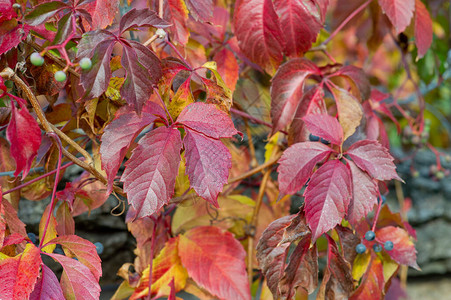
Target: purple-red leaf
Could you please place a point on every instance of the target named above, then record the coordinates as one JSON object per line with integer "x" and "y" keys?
{"x": 207, "y": 119}
{"x": 358, "y": 78}
{"x": 325, "y": 126}
{"x": 43, "y": 11}
{"x": 90, "y": 40}
{"x": 77, "y": 281}
{"x": 207, "y": 164}
{"x": 216, "y": 261}
{"x": 300, "y": 22}
{"x": 24, "y": 135}
{"x": 141, "y": 17}
{"x": 95, "y": 81}
{"x": 47, "y": 286}
{"x": 119, "y": 135}
{"x": 287, "y": 89}
{"x": 19, "y": 274}
{"x": 83, "y": 250}
{"x": 257, "y": 29}
{"x": 364, "y": 194}
{"x": 423, "y": 28}
{"x": 301, "y": 270}
{"x": 373, "y": 158}
{"x": 297, "y": 163}
{"x": 201, "y": 10}
{"x": 149, "y": 176}
{"x": 327, "y": 197}
{"x": 176, "y": 13}
{"x": 271, "y": 254}
{"x": 11, "y": 38}
{"x": 399, "y": 12}
{"x": 143, "y": 70}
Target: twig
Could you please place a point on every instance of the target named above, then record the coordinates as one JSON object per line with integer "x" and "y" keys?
{"x": 346, "y": 21}
{"x": 256, "y": 170}
{"x": 401, "y": 199}
{"x": 150, "y": 40}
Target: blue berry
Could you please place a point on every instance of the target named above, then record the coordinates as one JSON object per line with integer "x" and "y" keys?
{"x": 99, "y": 247}
{"x": 313, "y": 138}
{"x": 360, "y": 248}
{"x": 377, "y": 248}
{"x": 370, "y": 235}
{"x": 384, "y": 199}
{"x": 33, "y": 238}
{"x": 388, "y": 245}
{"x": 58, "y": 250}
{"x": 75, "y": 258}
{"x": 85, "y": 63}
{"x": 324, "y": 141}
{"x": 36, "y": 59}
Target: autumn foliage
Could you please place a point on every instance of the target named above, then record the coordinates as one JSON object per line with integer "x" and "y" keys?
{"x": 160, "y": 102}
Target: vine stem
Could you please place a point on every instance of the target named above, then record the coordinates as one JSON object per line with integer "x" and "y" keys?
{"x": 152, "y": 250}
{"x": 376, "y": 216}
{"x": 179, "y": 54}
{"x": 346, "y": 21}
{"x": 37, "y": 179}
{"x": 55, "y": 185}
{"x": 254, "y": 220}
{"x": 401, "y": 199}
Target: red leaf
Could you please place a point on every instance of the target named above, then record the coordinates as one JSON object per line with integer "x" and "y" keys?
{"x": 19, "y": 273}
{"x": 216, "y": 261}
{"x": 301, "y": 270}
{"x": 201, "y": 10}
{"x": 149, "y": 176}
{"x": 364, "y": 194}
{"x": 103, "y": 12}
{"x": 399, "y": 12}
{"x": 271, "y": 253}
{"x": 297, "y": 163}
{"x": 77, "y": 281}
{"x": 257, "y": 29}
{"x": 227, "y": 67}
{"x": 207, "y": 119}
{"x": 119, "y": 135}
{"x": 207, "y": 164}
{"x": 141, "y": 18}
{"x": 403, "y": 248}
{"x": 13, "y": 37}
{"x": 287, "y": 89}
{"x": 6, "y": 10}
{"x": 300, "y": 22}
{"x": 15, "y": 225}
{"x": 24, "y": 135}
{"x": 47, "y": 286}
{"x": 327, "y": 197}
{"x": 423, "y": 28}
{"x": 83, "y": 250}
{"x": 325, "y": 126}
{"x": 175, "y": 12}
{"x": 65, "y": 221}
{"x": 373, "y": 158}
{"x": 373, "y": 282}
{"x": 143, "y": 70}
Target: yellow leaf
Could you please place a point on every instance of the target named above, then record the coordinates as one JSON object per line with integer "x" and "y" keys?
{"x": 124, "y": 291}
{"x": 360, "y": 266}
{"x": 389, "y": 265}
{"x": 350, "y": 111}
{"x": 270, "y": 146}
{"x": 182, "y": 98}
{"x": 51, "y": 230}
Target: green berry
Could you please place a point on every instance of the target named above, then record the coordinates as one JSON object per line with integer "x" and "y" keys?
{"x": 440, "y": 175}
{"x": 85, "y": 63}
{"x": 370, "y": 235}
{"x": 360, "y": 248}
{"x": 388, "y": 245}
{"x": 60, "y": 76}
{"x": 377, "y": 248}
{"x": 36, "y": 59}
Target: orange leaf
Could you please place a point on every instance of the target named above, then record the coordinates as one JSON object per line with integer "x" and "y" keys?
{"x": 227, "y": 67}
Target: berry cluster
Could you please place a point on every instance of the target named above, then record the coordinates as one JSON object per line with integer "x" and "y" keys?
{"x": 60, "y": 76}
{"x": 370, "y": 236}
{"x": 314, "y": 138}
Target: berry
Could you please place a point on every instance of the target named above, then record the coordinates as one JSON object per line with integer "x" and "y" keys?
{"x": 313, "y": 138}
{"x": 388, "y": 245}
{"x": 85, "y": 63}
{"x": 370, "y": 235}
{"x": 60, "y": 76}
{"x": 440, "y": 175}
{"x": 58, "y": 250}
{"x": 33, "y": 238}
{"x": 360, "y": 248}
{"x": 325, "y": 142}
{"x": 36, "y": 59}
{"x": 384, "y": 199}
{"x": 377, "y": 248}
{"x": 99, "y": 247}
